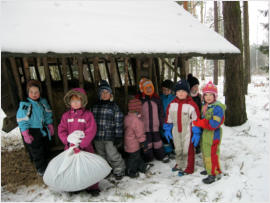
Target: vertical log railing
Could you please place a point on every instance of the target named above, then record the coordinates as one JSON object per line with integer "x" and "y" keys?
{"x": 162, "y": 70}
{"x": 150, "y": 66}
{"x": 89, "y": 70}
{"x": 96, "y": 71}
{"x": 112, "y": 71}
{"x": 80, "y": 70}
{"x": 26, "y": 69}
{"x": 65, "y": 78}
{"x": 16, "y": 77}
{"x": 138, "y": 71}
{"x": 175, "y": 69}
{"x": 118, "y": 73}
{"x": 107, "y": 71}
{"x": 126, "y": 82}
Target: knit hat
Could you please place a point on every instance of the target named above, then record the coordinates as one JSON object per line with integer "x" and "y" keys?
{"x": 144, "y": 83}
{"x": 80, "y": 92}
{"x": 168, "y": 84}
{"x": 103, "y": 85}
{"x": 182, "y": 85}
{"x": 34, "y": 83}
{"x": 192, "y": 80}
{"x": 210, "y": 88}
{"x": 135, "y": 105}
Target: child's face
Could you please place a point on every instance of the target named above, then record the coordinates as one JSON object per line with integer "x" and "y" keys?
{"x": 105, "y": 95}
{"x": 166, "y": 91}
{"x": 181, "y": 94}
{"x": 209, "y": 98}
{"x": 194, "y": 89}
{"x": 75, "y": 103}
{"x": 149, "y": 90}
{"x": 34, "y": 93}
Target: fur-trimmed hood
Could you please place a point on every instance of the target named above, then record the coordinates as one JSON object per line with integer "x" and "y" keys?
{"x": 78, "y": 92}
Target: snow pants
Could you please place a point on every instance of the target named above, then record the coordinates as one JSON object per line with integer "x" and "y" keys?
{"x": 135, "y": 163}
{"x": 38, "y": 149}
{"x": 184, "y": 149}
{"x": 210, "y": 151}
{"x": 155, "y": 147}
{"x": 109, "y": 152}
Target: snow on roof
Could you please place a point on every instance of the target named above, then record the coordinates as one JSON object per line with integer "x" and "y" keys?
{"x": 69, "y": 26}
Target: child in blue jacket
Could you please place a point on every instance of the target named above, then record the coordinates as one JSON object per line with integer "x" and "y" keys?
{"x": 34, "y": 118}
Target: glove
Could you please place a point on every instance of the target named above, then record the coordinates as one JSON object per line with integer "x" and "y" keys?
{"x": 118, "y": 142}
{"x": 50, "y": 127}
{"x": 203, "y": 123}
{"x": 27, "y": 137}
{"x": 144, "y": 146}
{"x": 76, "y": 150}
{"x": 168, "y": 131}
{"x": 195, "y": 139}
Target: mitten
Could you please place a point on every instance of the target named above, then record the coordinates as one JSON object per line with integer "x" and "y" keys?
{"x": 168, "y": 131}
{"x": 195, "y": 139}
{"x": 27, "y": 137}
{"x": 50, "y": 127}
{"x": 203, "y": 123}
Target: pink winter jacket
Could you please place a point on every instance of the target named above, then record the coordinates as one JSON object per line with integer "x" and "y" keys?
{"x": 80, "y": 119}
{"x": 134, "y": 132}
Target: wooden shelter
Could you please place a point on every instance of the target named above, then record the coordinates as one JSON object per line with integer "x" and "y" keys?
{"x": 80, "y": 42}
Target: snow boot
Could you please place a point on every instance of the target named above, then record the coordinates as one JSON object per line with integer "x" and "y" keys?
{"x": 210, "y": 179}
{"x": 182, "y": 173}
{"x": 166, "y": 159}
{"x": 94, "y": 192}
{"x": 203, "y": 173}
{"x": 175, "y": 168}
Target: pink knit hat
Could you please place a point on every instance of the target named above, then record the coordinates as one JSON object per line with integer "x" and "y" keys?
{"x": 135, "y": 105}
{"x": 210, "y": 88}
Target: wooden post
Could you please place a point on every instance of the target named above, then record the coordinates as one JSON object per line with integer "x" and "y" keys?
{"x": 107, "y": 71}
{"x": 118, "y": 73}
{"x": 80, "y": 69}
{"x": 170, "y": 66}
{"x": 138, "y": 71}
{"x": 59, "y": 68}
{"x": 162, "y": 70}
{"x": 16, "y": 77}
{"x": 183, "y": 63}
{"x": 112, "y": 71}
{"x": 150, "y": 62}
{"x": 89, "y": 70}
{"x": 96, "y": 71}
{"x": 26, "y": 69}
{"x": 36, "y": 65}
{"x": 155, "y": 77}
{"x": 48, "y": 80}
{"x": 126, "y": 83}
{"x": 175, "y": 69}
{"x": 65, "y": 78}
{"x": 70, "y": 68}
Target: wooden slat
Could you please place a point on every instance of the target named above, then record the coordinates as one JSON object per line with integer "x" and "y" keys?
{"x": 70, "y": 68}
{"x": 150, "y": 62}
{"x": 126, "y": 83}
{"x": 80, "y": 69}
{"x": 162, "y": 70}
{"x": 16, "y": 77}
{"x": 170, "y": 66}
{"x": 26, "y": 69}
{"x": 175, "y": 69}
{"x": 65, "y": 78}
{"x": 108, "y": 71}
{"x": 138, "y": 71}
{"x": 48, "y": 80}
{"x": 59, "y": 69}
{"x": 155, "y": 78}
{"x": 96, "y": 71}
{"x": 118, "y": 73}
{"x": 113, "y": 72}
{"x": 36, "y": 65}
{"x": 89, "y": 70}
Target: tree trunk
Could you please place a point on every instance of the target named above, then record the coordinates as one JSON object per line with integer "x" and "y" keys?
{"x": 216, "y": 29}
{"x": 246, "y": 47}
{"x": 202, "y": 59}
{"x": 235, "y": 113}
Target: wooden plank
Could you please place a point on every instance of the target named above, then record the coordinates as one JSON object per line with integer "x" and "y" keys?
{"x": 16, "y": 77}
{"x": 126, "y": 83}
{"x": 65, "y": 78}
{"x": 96, "y": 71}
{"x": 155, "y": 78}
{"x": 113, "y": 72}
{"x": 169, "y": 65}
{"x": 70, "y": 68}
{"x": 175, "y": 69}
{"x": 107, "y": 71}
{"x": 59, "y": 69}
{"x": 48, "y": 80}
{"x": 138, "y": 71}
{"x": 150, "y": 62}
{"x": 162, "y": 70}
{"x": 80, "y": 70}
{"x": 89, "y": 70}
{"x": 36, "y": 65}
{"x": 26, "y": 69}
{"x": 118, "y": 72}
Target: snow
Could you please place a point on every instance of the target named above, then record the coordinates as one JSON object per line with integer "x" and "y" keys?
{"x": 244, "y": 161}
{"x": 68, "y": 26}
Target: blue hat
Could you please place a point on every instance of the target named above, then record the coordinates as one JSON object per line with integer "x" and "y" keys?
{"x": 103, "y": 85}
{"x": 182, "y": 85}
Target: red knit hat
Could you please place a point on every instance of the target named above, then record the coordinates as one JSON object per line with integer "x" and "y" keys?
{"x": 135, "y": 105}
{"x": 210, "y": 88}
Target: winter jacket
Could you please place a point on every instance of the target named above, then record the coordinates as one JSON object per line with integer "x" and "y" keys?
{"x": 134, "y": 133}
{"x": 198, "y": 101}
{"x": 152, "y": 112}
{"x": 109, "y": 119}
{"x": 166, "y": 100}
{"x": 80, "y": 119}
{"x": 35, "y": 114}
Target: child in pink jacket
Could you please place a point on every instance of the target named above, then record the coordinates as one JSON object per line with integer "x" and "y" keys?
{"x": 135, "y": 139}
{"x": 78, "y": 118}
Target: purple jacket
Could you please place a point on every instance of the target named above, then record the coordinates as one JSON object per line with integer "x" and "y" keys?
{"x": 80, "y": 119}
{"x": 134, "y": 132}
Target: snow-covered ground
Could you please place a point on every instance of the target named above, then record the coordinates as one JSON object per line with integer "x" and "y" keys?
{"x": 244, "y": 161}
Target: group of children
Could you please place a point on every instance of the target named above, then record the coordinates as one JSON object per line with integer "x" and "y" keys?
{"x": 164, "y": 127}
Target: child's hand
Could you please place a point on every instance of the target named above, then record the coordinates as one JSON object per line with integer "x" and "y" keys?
{"x": 27, "y": 137}
{"x": 76, "y": 150}
{"x": 50, "y": 127}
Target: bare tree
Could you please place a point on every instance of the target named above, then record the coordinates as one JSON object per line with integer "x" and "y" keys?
{"x": 216, "y": 29}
